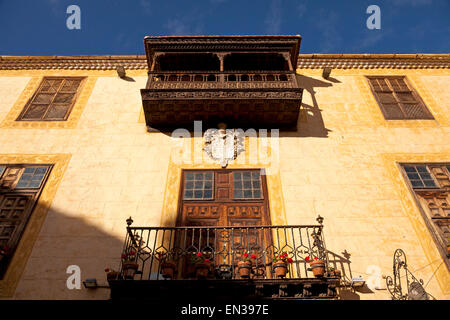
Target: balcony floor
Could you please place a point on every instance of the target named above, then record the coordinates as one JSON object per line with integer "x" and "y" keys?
{"x": 207, "y": 290}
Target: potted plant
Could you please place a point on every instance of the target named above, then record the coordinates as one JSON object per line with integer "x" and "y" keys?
{"x": 280, "y": 263}
{"x": 202, "y": 265}
{"x": 332, "y": 272}
{"x": 168, "y": 266}
{"x": 112, "y": 274}
{"x": 245, "y": 265}
{"x": 129, "y": 265}
{"x": 317, "y": 266}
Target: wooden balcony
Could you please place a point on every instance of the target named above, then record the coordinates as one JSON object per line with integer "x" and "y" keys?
{"x": 246, "y": 82}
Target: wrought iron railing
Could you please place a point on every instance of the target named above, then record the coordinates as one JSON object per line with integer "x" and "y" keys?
{"x": 223, "y": 248}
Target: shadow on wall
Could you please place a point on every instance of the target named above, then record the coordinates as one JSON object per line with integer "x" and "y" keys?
{"x": 63, "y": 241}
{"x": 343, "y": 264}
{"x": 310, "y": 123}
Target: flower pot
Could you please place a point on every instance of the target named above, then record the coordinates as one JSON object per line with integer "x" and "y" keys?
{"x": 202, "y": 270}
{"x": 129, "y": 270}
{"x": 280, "y": 268}
{"x": 113, "y": 275}
{"x": 335, "y": 273}
{"x": 318, "y": 268}
{"x": 168, "y": 269}
{"x": 245, "y": 269}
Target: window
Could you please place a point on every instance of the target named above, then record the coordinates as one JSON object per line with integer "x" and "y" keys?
{"x": 397, "y": 99}
{"x": 20, "y": 187}
{"x": 419, "y": 177}
{"x": 431, "y": 185}
{"x": 247, "y": 185}
{"x": 198, "y": 185}
{"x": 53, "y": 100}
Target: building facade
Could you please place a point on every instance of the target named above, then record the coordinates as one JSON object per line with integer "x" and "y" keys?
{"x": 219, "y": 148}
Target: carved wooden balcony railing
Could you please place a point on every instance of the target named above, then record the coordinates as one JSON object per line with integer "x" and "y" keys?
{"x": 224, "y": 247}
{"x": 224, "y": 80}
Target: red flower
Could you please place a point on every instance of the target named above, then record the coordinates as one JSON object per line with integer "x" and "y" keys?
{"x": 246, "y": 255}
{"x": 290, "y": 260}
{"x": 315, "y": 258}
{"x": 106, "y": 270}
{"x": 206, "y": 260}
{"x": 199, "y": 254}
{"x": 123, "y": 256}
{"x": 307, "y": 259}
{"x": 132, "y": 253}
{"x": 253, "y": 256}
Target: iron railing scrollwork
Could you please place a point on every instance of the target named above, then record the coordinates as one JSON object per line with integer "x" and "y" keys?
{"x": 404, "y": 285}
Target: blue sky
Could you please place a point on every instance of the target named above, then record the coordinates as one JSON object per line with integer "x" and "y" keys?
{"x": 31, "y": 27}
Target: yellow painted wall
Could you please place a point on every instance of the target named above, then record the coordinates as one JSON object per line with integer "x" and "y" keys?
{"x": 341, "y": 165}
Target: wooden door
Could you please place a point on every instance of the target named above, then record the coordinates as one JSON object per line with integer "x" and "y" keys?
{"x": 224, "y": 198}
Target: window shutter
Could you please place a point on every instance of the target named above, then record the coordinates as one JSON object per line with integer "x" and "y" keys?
{"x": 397, "y": 99}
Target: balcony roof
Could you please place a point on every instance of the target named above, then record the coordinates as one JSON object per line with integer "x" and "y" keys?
{"x": 288, "y": 43}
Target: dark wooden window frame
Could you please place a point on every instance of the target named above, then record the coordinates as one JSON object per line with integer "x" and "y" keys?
{"x": 400, "y": 103}
{"x": 69, "y": 110}
{"x": 32, "y": 193}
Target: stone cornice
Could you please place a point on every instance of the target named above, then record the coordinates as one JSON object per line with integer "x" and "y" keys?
{"x": 374, "y": 61}
{"x": 305, "y": 61}
{"x": 85, "y": 62}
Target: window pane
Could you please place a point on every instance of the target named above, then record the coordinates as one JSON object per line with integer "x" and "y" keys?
{"x": 188, "y": 194}
{"x": 198, "y": 185}
{"x": 35, "y": 111}
{"x": 2, "y": 169}
{"x": 208, "y": 176}
{"x": 43, "y": 98}
{"x": 422, "y": 169}
{"x": 208, "y": 194}
{"x": 57, "y": 111}
{"x": 208, "y": 184}
{"x": 238, "y": 193}
{"x": 392, "y": 111}
{"x": 198, "y": 194}
{"x": 246, "y": 175}
{"x": 416, "y": 183}
{"x": 247, "y": 193}
{"x": 70, "y": 85}
{"x": 413, "y": 176}
{"x": 189, "y": 185}
{"x": 31, "y": 178}
{"x": 410, "y": 169}
{"x": 198, "y": 176}
{"x": 189, "y": 176}
{"x": 429, "y": 183}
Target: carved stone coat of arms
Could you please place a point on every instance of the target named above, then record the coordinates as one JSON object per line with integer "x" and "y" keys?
{"x": 223, "y": 145}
